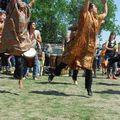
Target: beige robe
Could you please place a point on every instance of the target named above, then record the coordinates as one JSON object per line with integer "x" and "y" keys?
{"x": 15, "y": 39}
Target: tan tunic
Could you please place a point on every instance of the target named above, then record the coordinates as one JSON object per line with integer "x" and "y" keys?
{"x": 15, "y": 38}
{"x": 80, "y": 51}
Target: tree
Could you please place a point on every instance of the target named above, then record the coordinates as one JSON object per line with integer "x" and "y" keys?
{"x": 54, "y": 16}
{"x": 51, "y": 16}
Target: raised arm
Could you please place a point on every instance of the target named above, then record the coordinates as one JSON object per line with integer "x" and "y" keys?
{"x": 86, "y": 5}
{"x": 13, "y": 1}
{"x": 31, "y": 3}
{"x": 105, "y": 8}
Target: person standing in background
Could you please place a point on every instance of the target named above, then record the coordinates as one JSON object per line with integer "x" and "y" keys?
{"x": 110, "y": 53}
{"x": 36, "y": 38}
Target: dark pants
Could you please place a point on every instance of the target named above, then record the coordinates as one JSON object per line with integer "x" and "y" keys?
{"x": 47, "y": 60}
{"x": 112, "y": 64}
{"x": 19, "y": 67}
{"x": 74, "y": 75}
{"x": 59, "y": 68}
{"x": 113, "y": 60}
{"x": 5, "y": 59}
{"x": 88, "y": 79}
{"x": 88, "y": 75}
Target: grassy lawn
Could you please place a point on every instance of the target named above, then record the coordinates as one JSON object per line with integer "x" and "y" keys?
{"x": 60, "y": 100}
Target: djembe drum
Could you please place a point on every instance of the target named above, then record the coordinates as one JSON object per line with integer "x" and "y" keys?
{"x": 30, "y": 56}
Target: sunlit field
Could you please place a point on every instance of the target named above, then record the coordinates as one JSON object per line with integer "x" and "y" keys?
{"x": 59, "y": 100}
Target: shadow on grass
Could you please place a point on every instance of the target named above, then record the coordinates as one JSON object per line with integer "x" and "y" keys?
{"x": 107, "y": 84}
{"x": 98, "y": 77}
{"x": 7, "y": 77}
{"x": 108, "y": 92}
{"x": 63, "y": 83}
{"x": 56, "y": 93}
{"x": 3, "y": 77}
{"x": 5, "y": 91}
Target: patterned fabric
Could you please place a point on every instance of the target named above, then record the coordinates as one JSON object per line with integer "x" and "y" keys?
{"x": 15, "y": 38}
{"x": 80, "y": 51}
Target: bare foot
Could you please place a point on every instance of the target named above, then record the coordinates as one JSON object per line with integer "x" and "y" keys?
{"x": 20, "y": 83}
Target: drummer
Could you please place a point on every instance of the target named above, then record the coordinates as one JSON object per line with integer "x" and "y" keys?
{"x": 15, "y": 39}
{"x": 36, "y": 38}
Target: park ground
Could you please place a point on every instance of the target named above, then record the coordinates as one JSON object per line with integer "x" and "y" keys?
{"x": 59, "y": 100}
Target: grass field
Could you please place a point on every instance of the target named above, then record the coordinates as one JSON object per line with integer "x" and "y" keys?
{"x": 60, "y": 100}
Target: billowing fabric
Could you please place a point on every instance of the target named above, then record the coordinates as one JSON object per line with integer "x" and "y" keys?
{"x": 80, "y": 51}
{"x": 15, "y": 38}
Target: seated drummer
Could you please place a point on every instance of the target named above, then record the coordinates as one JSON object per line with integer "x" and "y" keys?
{"x": 15, "y": 39}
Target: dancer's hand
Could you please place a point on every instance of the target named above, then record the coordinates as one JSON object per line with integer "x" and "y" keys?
{"x": 86, "y": 5}
{"x": 31, "y": 3}
{"x": 104, "y": 1}
{"x": 105, "y": 8}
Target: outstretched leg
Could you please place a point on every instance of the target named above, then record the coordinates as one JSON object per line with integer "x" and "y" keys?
{"x": 56, "y": 71}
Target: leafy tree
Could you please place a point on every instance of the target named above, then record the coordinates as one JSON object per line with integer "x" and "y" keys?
{"x": 54, "y": 16}
{"x": 51, "y": 16}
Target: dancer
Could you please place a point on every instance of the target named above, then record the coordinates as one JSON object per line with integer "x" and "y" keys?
{"x": 80, "y": 51}
{"x": 15, "y": 39}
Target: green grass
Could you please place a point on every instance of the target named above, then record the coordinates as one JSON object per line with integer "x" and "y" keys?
{"x": 60, "y": 100}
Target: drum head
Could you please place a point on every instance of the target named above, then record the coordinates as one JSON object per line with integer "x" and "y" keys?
{"x": 30, "y": 53}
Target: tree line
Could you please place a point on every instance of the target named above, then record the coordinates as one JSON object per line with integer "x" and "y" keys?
{"x": 54, "y": 17}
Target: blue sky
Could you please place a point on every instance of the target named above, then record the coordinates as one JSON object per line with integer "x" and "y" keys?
{"x": 105, "y": 35}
